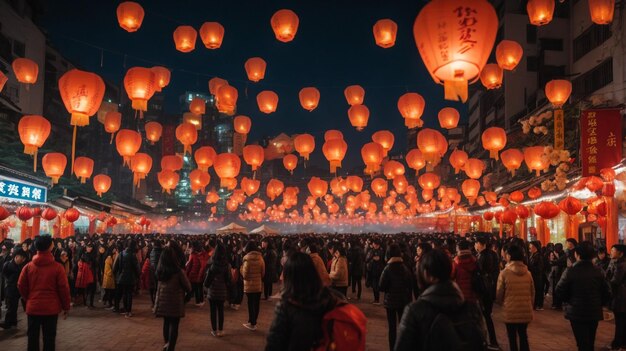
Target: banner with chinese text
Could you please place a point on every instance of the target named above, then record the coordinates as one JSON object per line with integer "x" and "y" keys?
{"x": 601, "y": 140}
{"x": 168, "y": 140}
{"x": 22, "y": 191}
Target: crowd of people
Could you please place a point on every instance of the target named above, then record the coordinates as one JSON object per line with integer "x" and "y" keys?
{"x": 439, "y": 289}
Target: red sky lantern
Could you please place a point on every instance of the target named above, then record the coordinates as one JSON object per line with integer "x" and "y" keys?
{"x": 304, "y": 145}
{"x": 509, "y": 217}
{"x": 372, "y": 154}
{"x": 101, "y": 184}
{"x": 309, "y": 98}
{"x": 153, "y": 131}
{"x": 533, "y": 157}
{"x": 474, "y": 168}
{"x": 83, "y": 168}
{"x": 355, "y": 94}
{"x": 254, "y": 156}
{"x": 255, "y": 68}
{"x": 82, "y": 94}
{"x": 470, "y": 188}
{"x": 411, "y": 107}
{"x": 130, "y": 16}
{"x": 392, "y": 169}
{"x": 3, "y": 80}
{"x": 215, "y": 83}
{"x": 25, "y": 70}
{"x": 168, "y": 180}
{"x": 335, "y": 150}
{"x": 317, "y": 187}
{"x": 34, "y": 131}
{"x": 140, "y": 85}
{"x": 359, "y": 115}
{"x": 185, "y": 38}
{"x": 491, "y": 76}
{"x": 558, "y": 92}
{"x": 540, "y": 12}
{"x": 494, "y": 140}
{"x": 602, "y": 11}
{"x": 54, "y": 164}
{"x": 508, "y": 54}
{"x": 227, "y": 166}
{"x": 227, "y": 99}
{"x": 187, "y": 134}
{"x": 250, "y": 186}
{"x": 448, "y": 117}
{"x": 468, "y": 44}
{"x": 205, "y": 157}
{"x": 162, "y": 77}
{"x": 112, "y": 123}
{"x": 212, "y": 35}
{"x": 429, "y": 181}
{"x": 432, "y": 144}
{"x": 458, "y": 158}
{"x": 172, "y": 162}
{"x": 570, "y": 205}
{"x": 488, "y": 216}
{"x": 385, "y": 31}
{"x": 127, "y": 143}
{"x": 197, "y": 106}
{"x": 290, "y": 162}
{"x": 385, "y": 138}
{"x": 333, "y": 134}
{"x": 140, "y": 164}
{"x": 198, "y": 180}
{"x": 267, "y": 101}
{"x": 285, "y": 25}
{"x": 512, "y": 159}
{"x": 415, "y": 160}
{"x": 242, "y": 124}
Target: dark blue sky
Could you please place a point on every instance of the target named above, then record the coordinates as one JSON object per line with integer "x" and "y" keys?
{"x": 334, "y": 48}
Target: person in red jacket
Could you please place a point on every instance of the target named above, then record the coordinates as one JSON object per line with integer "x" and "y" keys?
{"x": 463, "y": 268}
{"x": 43, "y": 285}
{"x": 194, "y": 272}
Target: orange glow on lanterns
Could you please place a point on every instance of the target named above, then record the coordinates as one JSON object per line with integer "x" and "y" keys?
{"x": 392, "y": 169}
{"x": 130, "y": 16}
{"x": 168, "y": 180}
{"x": 197, "y": 106}
{"x": 215, "y": 83}
{"x": 317, "y": 187}
{"x": 285, "y": 25}
{"x": 415, "y": 160}
{"x": 212, "y": 35}
{"x": 558, "y": 92}
{"x": 25, "y": 70}
{"x": 332, "y": 134}
{"x": 267, "y": 101}
{"x": 153, "y": 131}
{"x": 205, "y": 157}
{"x": 127, "y": 143}
{"x": 429, "y": 181}
{"x": 254, "y": 156}
{"x": 355, "y": 94}
{"x": 140, "y": 85}
{"x": 255, "y": 68}
{"x": 54, "y": 164}
{"x": 83, "y": 168}
{"x": 140, "y": 164}
{"x": 227, "y": 99}
{"x": 508, "y": 54}
{"x": 187, "y": 134}
{"x": 602, "y": 11}
{"x": 372, "y": 154}
{"x": 379, "y": 187}
{"x": 411, "y": 107}
{"x": 309, "y": 98}
{"x": 34, "y": 131}
{"x": 335, "y": 150}
{"x": 491, "y": 76}
{"x": 457, "y": 159}
{"x": 474, "y": 168}
{"x": 112, "y": 123}
{"x": 185, "y": 38}
{"x": 242, "y": 124}
{"x": 470, "y": 188}
{"x": 494, "y": 140}
{"x": 432, "y": 144}
{"x": 227, "y": 166}
{"x": 533, "y": 157}
{"x": 512, "y": 159}
{"x": 101, "y": 184}
{"x": 540, "y": 12}
{"x": 464, "y": 59}
{"x": 448, "y": 117}
{"x": 385, "y": 31}
{"x": 198, "y": 180}
{"x": 304, "y": 145}
{"x": 162, "y": 77}
{"x": 385, "y": 138}
{"x": 290, "y": 162}
{"x": 359, "y": 115}
{"x": 274, "y": 188}
{"x": 516, "y": 196}
{"x": 250, "y": 186}
{"x": 82, "y": 94}
{"x": 171, "y": 162}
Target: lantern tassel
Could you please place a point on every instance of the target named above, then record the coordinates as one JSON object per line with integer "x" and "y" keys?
{"x": 455, "y": 90}
{"x": 73, "y": 147}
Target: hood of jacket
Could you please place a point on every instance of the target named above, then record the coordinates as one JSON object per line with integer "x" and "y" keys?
{"x": 445, "y": 296}
{"x": 43, "y": 258}
{"x": 517, "y": 267}
{"x": 395, "y": 260}
{"x": 253, "y": 256}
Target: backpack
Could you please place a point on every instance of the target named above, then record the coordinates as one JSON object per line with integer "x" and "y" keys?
{"x": 461, "y": 330}
{"x": 343, "y": 328}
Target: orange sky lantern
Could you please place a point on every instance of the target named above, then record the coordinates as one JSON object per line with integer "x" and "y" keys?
{"x": 465, "y": 55}
{"x": 215, "y": 83}
{"x": 317, "y": 187}
{"x": 474, "y": 168}
{"x": 304, "y": 145}
{"x": 140, "y": 164}
{"x": 540, "y": 12}
{"x": 432, "y": 144}
{"x": 127, "y": 143}
{"x": 354, "y": 95}
{"x": 491, "y": 76}
{"x": 470, "y": 188}
{"x": 354, "y": 183}
{"x": 254, "y": 156}
{"x": 309, "y": 98}
{"x": 400, "y": 183}
{"x": 392, "y": 169}
{"x": 335, "y": 150}
{"x": 558, "y": 92}
{"x": 385, "y": 31}
{"x": 25, "y": 70}
{"x": 227, "y": 166}
{"x": 34, "y": 131}
{"x": 458, "y": 158}
{"x": 171, "y": 162}
{"x": 494, "y": 140}
{"x": 212, "y": 35}
{"x": 204, "y": 157}
{"x": 130, "y": 16}
{"x": 212, "y": 197}
{"x": 533, "y": 157}
{"x": 512, "y": 159}
{"x": 602, "y": 11}
{"x": 140, "y": 85}
{"x": 285, "y": 25}
{"x": 187, "y": 134}
{"x": 290, "y": 162}
{"x": 339, "y": 186}
{"x": 415, "y": 160}
{"x": 242, "y": 124}
{"x": 448, "y": 117}
{"x": 101, "y": 184}
{"x": 372, "y": 154}
{"x": 162, "y": 77}
{"x": 359, "y": 115}
{"x": 274, "y": 188}
{"x": 267, "y": 101}
{"x": 185, "y": 38}
{"x": 385, "y": 138}
{"x": 250, "y": 186}
{"x": 411, "y": 107}
{"x": 429, "y": 181}
{"x": 379, "y": 187}
{"x": 83, "y": 168}
{"x": 333, "y": 134}
{"x": 153, "y": 131}
{"x": 490, "y": 196}
{"x": 255, "y": 68}
{"x": 112, "y": 123}
{"x": 168, "y": 180}
{"x": 197, "y": 106}
{"x": 534, "y": 193}
{"x": 54, "y": 164}
{"x": 227, "y": 99}
{"x": 508, "y": 54}
{"x": 198, "y": 180}
{"x": 82, "y": 94}
{"x": 516, "y": 196}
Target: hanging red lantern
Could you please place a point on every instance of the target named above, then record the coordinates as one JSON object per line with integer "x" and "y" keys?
{"x": 212, "y": 35}
{"x": 488, "y": 216}
{"x": 101, "y": 184}
{"x": 534, "y": 193}
{"x": 385, "y": 33}
{"x": 130, "y": 16}
{"x": 547, "y": 210}
{"x": 24, "y": 213}
{"x": 49, "y": 214}
{"x": 71, "y": 215}
{"x": 185, "y": 38}
{"x": 516, "y": 196}
{"x": 570, "y": 205}
{"x": 594, "y": 183}
{"x": 285, "y": 25}
{"x": 522, "y": 211}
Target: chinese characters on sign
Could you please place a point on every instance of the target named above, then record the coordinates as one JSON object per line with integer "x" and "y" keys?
{"x": 22, "y": 191}
{"x": 601, "y": 140}
{"x": 559, "y": 130}
{"x": 168, "y": 140}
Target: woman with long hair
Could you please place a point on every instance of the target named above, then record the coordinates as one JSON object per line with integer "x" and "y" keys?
{"x": 252, "y": 271}
{"x": 86, "y": 279}
{"x": 218, "y": 279}
{"x": 339, "y": 270}
{"x": 170, "y": 299}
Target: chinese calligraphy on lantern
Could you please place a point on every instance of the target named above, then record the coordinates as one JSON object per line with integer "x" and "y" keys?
{"x": 466, "y": 27}
{"x": 601, "y": 135}
{"x": 22, "y": 191}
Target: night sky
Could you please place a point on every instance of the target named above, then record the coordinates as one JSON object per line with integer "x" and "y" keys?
{"x": 334, "y": 47}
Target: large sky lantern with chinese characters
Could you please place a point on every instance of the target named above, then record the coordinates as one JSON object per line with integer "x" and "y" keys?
{"x": 455, "y": 39}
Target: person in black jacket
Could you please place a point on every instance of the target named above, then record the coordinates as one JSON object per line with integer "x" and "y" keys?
{"x": 375, "y": 265}
{"x": 297, "y": 323}
{"x": 155, "y": 255}
{"x": 488, "y": 264}
{"x": 356, "y": 260}
{"x": 270, "y": 258}
{"x": 11, "y": 271}
{"x": 616, "y": 276}
{"x": 535, "y": 266}
{"x": 584, "y": 289}
{"x": 126, "y": 270}
{"x": 558, "y": 263}
{"x": 395, "y": 282}
{"x": 218, "y": 280}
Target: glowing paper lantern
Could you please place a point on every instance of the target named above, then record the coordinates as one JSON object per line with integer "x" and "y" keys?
{"x": 3, "y": 80}
{"x": 101, "y": 184}
{"x": 215, "y": 83}
{"x": 468, "y": 40}
{"x": 54, "y": 165}
{"x": 571, "y": 205}
{"x": 432, "y": 144}
{"x": 359, "y": 115}
{"x": 411, "y": 107}
{"x": 309, "y": 98}
{"x": 187, "y": 134}
{"x": 335, "y": 150}
{"x": 304, "y": 144}
{"x": 533, "y": 157}
{"x": 198, "y": 180}
{"x": 508, "y": 54}
{"x": 354, "y": 95}
{"x": 168, "y": 180}
{"x": 82, "y": 94}
{"x": 205, "y": 157}
{"x": 317, "y": 187}
{"x": 255, "y": 68}
{"x": 212, "y": 35}
{"x": 333, "y": 134}
{"x": 372, "y": 154}
{"x": 24, "y": 213}
{"x": 112, "y": 123}
{"x": 602, "y": 11}
{"x": 34, "y": 131}
{"x": 127, "y": 143}
{"x": 83, "y": 168}
{"x": 491, "y": 76}
{"x": 130, "y": 16}
{"x": 516, "y": 196}
{"x": 509, "y": 217}
{"x": 415, "y": 160}
{"x": 227, "y": 99}
{"x": 547, "y": 210}
{"x": 267, "y": 101}
{"x": 393, "y": 169}
{"x": 512, "y": 159}
{"x": 429, "y": 181}
{"x": 140, "y": 85}
{"x": 494, "y": 140}
{"x": 140, "y": 164}
{"x": 285, "y": 25}
{"x": 172, "y": 162}
{"x": 354, "y": 183}
{"x": 242, "y": 124}
{"x": 250, "y": 186}
{"x": 385, "y": 139}
{"x": 458, "y": 158}
{"x": 25, "y": 70}
{"x": 212, "y": 197}
{"x": 185, "y": 38}
{"x": 540, "y": 12}
{"x": 254, "y": 156}
{"x": 474, "y": 168}
{"x": 227, "y": 166}
{"x": 197, "y": 106}
{"x": 385, "y": 31}
{"x": 49, "y": 214}
{"x": 558, "y": 91}
{"x": 153, "y": 131}
{"x": 534, "y": 193}
{"x": 470, "y": 188}
{"x": 448, "y": 117}
{"x": 162, "y": 77}
{"x": 274, "y": 188}
{"x": 290, "y": 162}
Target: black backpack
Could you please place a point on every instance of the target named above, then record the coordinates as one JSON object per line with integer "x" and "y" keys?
{"x": 461, "y": 330}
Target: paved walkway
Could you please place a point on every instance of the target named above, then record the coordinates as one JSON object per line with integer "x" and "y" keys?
{"x": 103, "y": 330}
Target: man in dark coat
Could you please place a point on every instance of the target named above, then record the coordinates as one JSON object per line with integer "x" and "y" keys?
{"x": 616, "y": 276}
{"x": 488, "y": 265}
{"x": 585, "y": 291}
{"x": 375, "y": 266}
{"x": 11, "y": 271}
{"x": 536, "y": 268}
{"x": 271, "y": 258}
{"x": 395, "y": 282}
{"x": 126, "y": 270}
{"x": 356, "y": 260}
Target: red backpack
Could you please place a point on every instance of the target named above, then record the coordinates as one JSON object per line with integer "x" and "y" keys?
{"x": 344, "y": 328}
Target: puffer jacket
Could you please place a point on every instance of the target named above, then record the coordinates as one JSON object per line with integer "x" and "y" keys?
{"x": 252, "y": 271}
{"x": 170, "y": 296}
{"x": 194, "y": 267}
{"x": 298, "y": 326}
{"x": 108, "y": 282}
{"x": 321, "y": 268}
{"x": 616, "y": 276}
{"x": 516, "y": 293}
{"x": 584, "y": 291}
{"x": 43, "y": 284}
{"x": 464, "y": 266}
{"x": 339, "y": 272}
{"x": 126, "y": 268}
{"x": 217, "y": 280}
{"x": 395, "y": 282}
